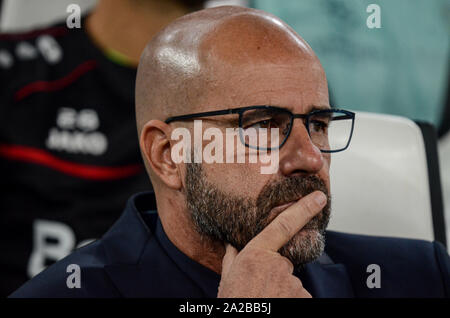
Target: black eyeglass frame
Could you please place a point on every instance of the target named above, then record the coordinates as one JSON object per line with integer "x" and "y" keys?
{"x": 346, "y": 115}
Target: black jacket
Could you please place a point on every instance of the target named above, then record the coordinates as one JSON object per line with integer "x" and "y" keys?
{"x": 132, "y": 261}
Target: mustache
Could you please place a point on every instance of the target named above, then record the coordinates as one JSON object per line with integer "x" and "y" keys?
{"x": 287, "y": 190}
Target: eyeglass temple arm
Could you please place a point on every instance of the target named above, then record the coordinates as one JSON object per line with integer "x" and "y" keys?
{"x": 203, "y": 114}
{"x": 334, "y": 118}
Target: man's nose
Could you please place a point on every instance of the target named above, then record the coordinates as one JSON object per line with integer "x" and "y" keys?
{"x": 299, "y": 154}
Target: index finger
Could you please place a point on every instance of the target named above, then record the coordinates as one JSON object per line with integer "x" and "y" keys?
{"x": 289, "y": 222}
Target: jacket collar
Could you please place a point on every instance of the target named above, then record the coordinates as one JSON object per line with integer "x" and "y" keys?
{"x": 137, "y": 264}
{"x": 126, "y": 239}
{"x": 325, "y": 279}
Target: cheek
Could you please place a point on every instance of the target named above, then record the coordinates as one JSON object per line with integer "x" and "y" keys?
{"x": 244, "y": 180}
{"x": 324, "y": 173}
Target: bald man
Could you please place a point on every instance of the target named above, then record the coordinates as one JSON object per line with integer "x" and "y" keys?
{"x": 218, "y": 226}
{"x": 66, "y": 108}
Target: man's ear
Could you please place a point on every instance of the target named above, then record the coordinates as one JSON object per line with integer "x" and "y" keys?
{"x": 156, "y": 148}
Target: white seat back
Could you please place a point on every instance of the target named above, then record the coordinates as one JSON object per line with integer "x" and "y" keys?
{"x": 379, "y": 185}
{"x": 444, "y": 161}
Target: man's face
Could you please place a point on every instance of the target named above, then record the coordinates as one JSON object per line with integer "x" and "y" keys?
{"x": 233, "y": 202}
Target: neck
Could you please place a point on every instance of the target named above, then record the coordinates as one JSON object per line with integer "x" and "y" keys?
{"x": 180, "y": 230}
{"x": 126, "y": 26}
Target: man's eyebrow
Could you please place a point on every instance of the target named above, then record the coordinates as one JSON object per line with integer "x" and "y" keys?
{"x": 310, "y": 109}
{"x": 318, "y": 107}
{"x": 232, "y": 120}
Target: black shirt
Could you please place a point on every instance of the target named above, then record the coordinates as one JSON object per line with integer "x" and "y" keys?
{"x": 69, "y": 155}
{"x": 206, "y": 279}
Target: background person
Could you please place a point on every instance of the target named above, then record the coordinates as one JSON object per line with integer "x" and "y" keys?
{"x": 69, "y": 156}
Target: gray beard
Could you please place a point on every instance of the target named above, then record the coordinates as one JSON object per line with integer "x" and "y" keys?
{"x": 222, "y": 217}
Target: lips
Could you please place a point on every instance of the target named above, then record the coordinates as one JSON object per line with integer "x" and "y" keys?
{"x": 274, "y": 212}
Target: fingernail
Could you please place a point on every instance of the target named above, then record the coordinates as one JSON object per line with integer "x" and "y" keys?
{"x": 320, "y": 198}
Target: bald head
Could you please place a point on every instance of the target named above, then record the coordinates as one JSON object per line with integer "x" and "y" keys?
{"x": 201, "y": 55}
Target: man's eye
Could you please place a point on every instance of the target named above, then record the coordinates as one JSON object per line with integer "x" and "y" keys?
{"x": 319, "y": 126}
{"x": 267, "y": 123}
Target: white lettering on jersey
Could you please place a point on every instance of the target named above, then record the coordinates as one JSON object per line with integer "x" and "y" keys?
{"x": 62, "y": 244}
{"x": 6, "y": 60}
{"x": 67, "y": 118}
{"x": 76, "y": 133}
{"x": 25, "y": 51}
{"x": 87, "y": 120}
{"x": 49, "y": 48}
{"x": 43, "y": 249}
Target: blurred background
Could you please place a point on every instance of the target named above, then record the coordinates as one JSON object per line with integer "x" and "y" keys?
{"x": 399, "y": 68}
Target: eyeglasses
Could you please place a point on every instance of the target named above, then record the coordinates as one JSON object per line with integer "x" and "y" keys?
{"x": 330, "y": 130}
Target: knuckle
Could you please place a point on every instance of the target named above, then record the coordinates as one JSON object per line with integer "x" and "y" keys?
{"x": 286, "y": 264}
{"x": 297, "y": 282}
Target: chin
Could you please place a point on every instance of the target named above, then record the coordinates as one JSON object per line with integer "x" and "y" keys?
{"x": 305, "y": 247}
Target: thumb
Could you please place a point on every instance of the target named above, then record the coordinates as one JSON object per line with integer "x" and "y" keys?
{"x": 228, "y": 259}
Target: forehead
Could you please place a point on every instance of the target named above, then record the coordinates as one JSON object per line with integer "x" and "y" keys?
{"x": 296, "y": 87}
{"x": 252, "y": 37}
{"x": 250, "y": 60}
